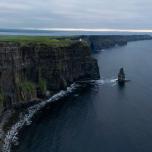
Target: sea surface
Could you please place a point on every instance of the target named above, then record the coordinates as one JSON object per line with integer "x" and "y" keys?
{"x": 102, "y": 117}
{"x": 61, "y": 33}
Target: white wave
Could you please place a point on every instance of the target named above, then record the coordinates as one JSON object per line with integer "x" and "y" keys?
{"x": 113, "y": 80}
{"x": 105, "y": 81}
{"x": 26, "y": 119}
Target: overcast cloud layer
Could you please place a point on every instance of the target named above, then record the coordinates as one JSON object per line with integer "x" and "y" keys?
{"x": 109, "y": 14}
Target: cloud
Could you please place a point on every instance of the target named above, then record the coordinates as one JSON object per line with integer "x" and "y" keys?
{"x": 120, "y": 14}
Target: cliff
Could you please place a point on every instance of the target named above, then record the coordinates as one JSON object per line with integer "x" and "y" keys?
{"x": 36, "y": 67}
{"x": 34, "y": 70}
{"x": 99, "y": 42}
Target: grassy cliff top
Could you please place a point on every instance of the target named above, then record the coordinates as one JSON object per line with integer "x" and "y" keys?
{"x": 47, "y": 40}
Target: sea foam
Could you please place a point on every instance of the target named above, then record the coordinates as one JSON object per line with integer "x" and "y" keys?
{"x": 26, "y": 119}
{"x": 106, "y": 81}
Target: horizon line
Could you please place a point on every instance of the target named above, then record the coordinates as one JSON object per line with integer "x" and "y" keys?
{"x": 92, "y": 30}
{"x": 85, "y": 30}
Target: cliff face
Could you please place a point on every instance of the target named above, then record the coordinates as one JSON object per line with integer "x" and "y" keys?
{"x": 27, "y": 72}
{"x": 99, "y": 42}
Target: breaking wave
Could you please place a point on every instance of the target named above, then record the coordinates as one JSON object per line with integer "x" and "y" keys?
{"x": 26, "y": 119}
{"x": 106, "y": 81}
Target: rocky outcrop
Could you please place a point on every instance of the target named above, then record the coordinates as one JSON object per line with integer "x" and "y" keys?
{"x": 31, "y": 71}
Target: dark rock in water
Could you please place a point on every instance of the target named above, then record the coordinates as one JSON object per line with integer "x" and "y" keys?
{"x": 121, "y": 77}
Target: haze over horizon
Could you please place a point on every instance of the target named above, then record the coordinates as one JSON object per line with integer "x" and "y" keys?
{"x": 120, "y": 15}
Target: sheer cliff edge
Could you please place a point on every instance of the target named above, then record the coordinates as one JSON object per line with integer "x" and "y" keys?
{"x": 34, "y": 70}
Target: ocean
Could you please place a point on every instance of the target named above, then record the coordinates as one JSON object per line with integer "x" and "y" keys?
{"x": 102, "y": 116}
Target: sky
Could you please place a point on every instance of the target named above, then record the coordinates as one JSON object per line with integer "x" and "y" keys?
{"x": 76, "y": 14}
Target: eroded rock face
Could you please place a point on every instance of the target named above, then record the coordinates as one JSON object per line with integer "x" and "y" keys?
{"x": 24, "y": 66}
{"x": 99, "y": 42}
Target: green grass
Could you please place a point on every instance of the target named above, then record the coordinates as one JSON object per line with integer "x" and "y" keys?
{"x": 27, "y": 89}
{"x": 48, "y": 40}
{"x": 27, "y": 86}
{"x": 1, "y": 99}
{"x": 42, "y": 86}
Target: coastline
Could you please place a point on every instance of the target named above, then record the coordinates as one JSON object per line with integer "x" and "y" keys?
{"x": 24, "y": 118}
{"x": 26, "y": 77}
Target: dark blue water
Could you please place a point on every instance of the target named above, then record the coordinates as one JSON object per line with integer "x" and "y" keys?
{"x": 104, "y": 117}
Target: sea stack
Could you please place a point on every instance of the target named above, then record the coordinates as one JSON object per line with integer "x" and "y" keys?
{"x": 121, "y": 77}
